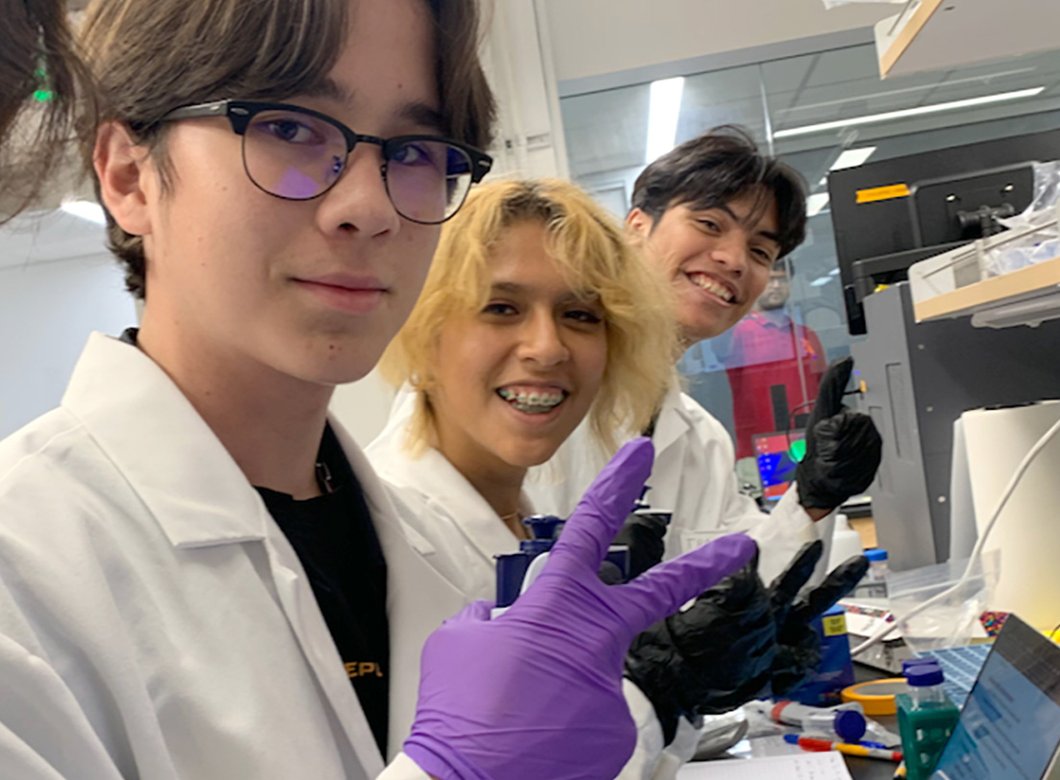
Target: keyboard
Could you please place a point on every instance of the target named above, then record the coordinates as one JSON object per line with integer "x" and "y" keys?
{"x": 960, "y": 666}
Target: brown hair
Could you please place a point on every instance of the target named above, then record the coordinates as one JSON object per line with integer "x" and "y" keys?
{"x": 591, "y": 251}
{"x": 37, "y": 58}
{"x": 151, "y": 56}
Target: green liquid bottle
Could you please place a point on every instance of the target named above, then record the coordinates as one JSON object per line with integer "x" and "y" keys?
{"x": 926, "y": 719}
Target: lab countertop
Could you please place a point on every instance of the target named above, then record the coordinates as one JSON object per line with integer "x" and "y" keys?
{"x": 860, "y": 768}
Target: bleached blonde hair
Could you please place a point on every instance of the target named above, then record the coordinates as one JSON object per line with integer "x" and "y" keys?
{"x": 595, "y": 259}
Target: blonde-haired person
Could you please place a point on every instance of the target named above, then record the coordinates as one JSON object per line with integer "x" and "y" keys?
{"x": 536, "y": 314}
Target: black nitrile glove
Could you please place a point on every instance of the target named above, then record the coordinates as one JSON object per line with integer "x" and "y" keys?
{"x": 736, "y": 641}
{"x": 798, "y": 645}
{"x": 644, "y": 534}
{"x": 843, "y": 447}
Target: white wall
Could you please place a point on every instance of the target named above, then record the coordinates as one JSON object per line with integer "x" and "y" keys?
{"x": 363, "y": 407}
{"x": 597, "y": 37}
{"x": 47, "y": 310}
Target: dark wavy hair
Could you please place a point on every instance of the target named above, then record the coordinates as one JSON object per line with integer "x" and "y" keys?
{"x": 718, "y": 166}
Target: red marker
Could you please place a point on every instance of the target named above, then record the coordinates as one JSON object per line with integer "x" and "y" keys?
{"x": 846, "y": 748}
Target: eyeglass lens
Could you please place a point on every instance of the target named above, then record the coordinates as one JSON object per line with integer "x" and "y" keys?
{"x": 297, "y": 156}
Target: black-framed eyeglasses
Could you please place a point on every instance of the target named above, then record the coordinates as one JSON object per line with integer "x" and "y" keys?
{"x": 296, "y": 153}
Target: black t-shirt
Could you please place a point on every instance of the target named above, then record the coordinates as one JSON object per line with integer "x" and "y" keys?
{"x": 336, "y": 542}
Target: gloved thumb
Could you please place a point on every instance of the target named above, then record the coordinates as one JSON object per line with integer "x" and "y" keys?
{"x": 475, "y": 612}
{"x": 830, "y": 394}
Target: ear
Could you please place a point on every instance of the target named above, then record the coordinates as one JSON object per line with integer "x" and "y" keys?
{"x": 639, "y": 224}
{"x": 125, "y": 175}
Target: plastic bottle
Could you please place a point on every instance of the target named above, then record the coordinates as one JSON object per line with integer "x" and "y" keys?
{"x": 926, "y": 719}
{"x": 846, "y": 543}
{"x": 845, "y": 721}
{"x": 874, "y": 585}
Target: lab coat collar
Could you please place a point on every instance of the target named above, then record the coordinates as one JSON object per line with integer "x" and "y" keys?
{"x": 673, "y": 422}
{"x": 436, "y": 477}
{"x": 170, "y": 456}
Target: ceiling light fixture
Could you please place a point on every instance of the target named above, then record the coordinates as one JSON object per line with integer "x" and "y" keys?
{"x": 663, "y": 110}
{"x": 852, "y": 158}
{"x": 870, "y": 119}
{"x": 815, "y": 203}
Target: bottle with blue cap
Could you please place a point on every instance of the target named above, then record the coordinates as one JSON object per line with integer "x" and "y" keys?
{"x": 926, "y": 718}
{"x": 844, "y": 721}
{"x": 875, "y": 582}
{"x": 513, "y": 568}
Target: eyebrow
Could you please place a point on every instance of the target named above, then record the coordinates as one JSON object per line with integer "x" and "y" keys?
{"x": 416, "y": 112}
{"x": 514, "y": 288}
{"x": 774, "y": 237}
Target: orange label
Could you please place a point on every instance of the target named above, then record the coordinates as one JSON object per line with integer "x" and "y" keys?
{"x": 890, "y": 192}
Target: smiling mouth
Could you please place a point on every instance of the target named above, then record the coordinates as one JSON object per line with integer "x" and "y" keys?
{"x": 532, "y": 401}
{"x": 704, "y": 282}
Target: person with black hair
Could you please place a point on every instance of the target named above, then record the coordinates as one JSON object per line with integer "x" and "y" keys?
{"x": 715, "y": 216}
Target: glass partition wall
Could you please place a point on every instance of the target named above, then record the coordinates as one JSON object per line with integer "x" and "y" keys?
{"x": 818, "y": 112}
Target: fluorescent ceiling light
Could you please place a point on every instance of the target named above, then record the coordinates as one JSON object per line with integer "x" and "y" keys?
{"x": 816, "y": 203}
{"x": 821, "y": 281}
{"x": 907, "y": 112}
{"x": 88, "y": 210}
{"x": 663, "y": 110}
{"x": 852, "y": 158}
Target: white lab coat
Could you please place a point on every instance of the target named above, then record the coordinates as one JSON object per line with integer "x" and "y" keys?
{"x": 459, "y": 534}
{"x": 693, "y": 476}
{"x": 154, "y": 621}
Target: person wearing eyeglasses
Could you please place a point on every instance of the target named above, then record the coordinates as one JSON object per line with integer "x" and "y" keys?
{"x": 200, "y": 574}
{"x": 44, "y": 89}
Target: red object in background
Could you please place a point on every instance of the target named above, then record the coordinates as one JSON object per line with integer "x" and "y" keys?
{"x": 768, "y": 349}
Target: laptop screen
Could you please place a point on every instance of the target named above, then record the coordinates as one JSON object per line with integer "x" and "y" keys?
{"x": 778, "y": 454}
{"x": 1010, "y": 725}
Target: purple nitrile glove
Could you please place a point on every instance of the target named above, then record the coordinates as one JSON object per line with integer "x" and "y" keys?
{"x": 537, "y": 692}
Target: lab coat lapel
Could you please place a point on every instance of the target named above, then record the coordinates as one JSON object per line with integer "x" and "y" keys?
{"x": 179, "y": 468}
{"x": 670, "y": 440}
{"x": 200, "y": 497}
{"x": 482, "y": 529}
{"x": 418, "y": 598}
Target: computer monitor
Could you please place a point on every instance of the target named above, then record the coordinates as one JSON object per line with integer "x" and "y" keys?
{"x": 777, "y": 455}
{"x": 889, "y": 214}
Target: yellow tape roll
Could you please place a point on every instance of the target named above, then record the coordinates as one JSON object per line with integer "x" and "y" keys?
{"x": 876, "y": 697}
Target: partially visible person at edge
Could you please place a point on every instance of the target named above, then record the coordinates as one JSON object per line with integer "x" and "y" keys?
{"x": 765, "y": 350}
{"x": 43, "y": 90}
{"x": 200, "y": 575}
{"x": 714, "y": 216}
{"x": 536, "y": 315}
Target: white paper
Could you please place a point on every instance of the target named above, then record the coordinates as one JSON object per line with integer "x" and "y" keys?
{"x": 801, "y": 766}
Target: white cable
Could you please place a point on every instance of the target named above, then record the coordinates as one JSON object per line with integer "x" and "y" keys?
{"x": 882, "y": 632}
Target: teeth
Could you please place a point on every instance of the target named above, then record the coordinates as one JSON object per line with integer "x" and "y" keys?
{"x": 533, "y": 402}
{"x": 706, "y": 283}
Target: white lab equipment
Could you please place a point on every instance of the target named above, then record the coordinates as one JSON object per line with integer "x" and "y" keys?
{"x": 846, "y": 542}
{"x": 1026, "y": 535}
